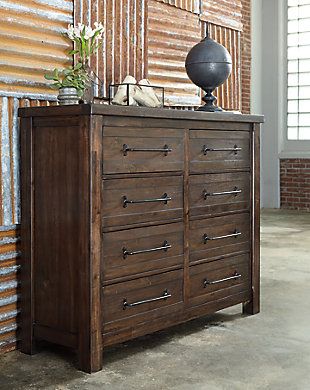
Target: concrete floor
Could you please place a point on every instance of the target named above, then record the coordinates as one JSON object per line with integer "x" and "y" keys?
{"x": 224, "y": 351}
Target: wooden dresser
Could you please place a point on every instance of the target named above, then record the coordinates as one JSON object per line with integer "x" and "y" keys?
{"x": 134, "y": 220}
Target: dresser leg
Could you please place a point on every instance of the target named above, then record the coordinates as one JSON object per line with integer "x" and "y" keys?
{"x": 252, "y": 307}
{"x": 90, "y": 361}
{"x": 28, "y": 344}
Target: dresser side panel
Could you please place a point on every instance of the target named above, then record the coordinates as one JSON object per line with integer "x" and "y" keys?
{"x": 60, "y": 222}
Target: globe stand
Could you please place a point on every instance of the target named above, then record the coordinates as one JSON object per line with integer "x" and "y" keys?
{"x": 210, "y": 101}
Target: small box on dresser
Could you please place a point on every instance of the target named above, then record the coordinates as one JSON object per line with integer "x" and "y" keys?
{"x": 134, "y": 220}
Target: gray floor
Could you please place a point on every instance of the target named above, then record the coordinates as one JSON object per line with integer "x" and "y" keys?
{"x": 223, "y": 351}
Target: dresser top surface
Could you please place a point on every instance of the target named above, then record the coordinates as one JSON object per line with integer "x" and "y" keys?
{"x": 140, "y": 112}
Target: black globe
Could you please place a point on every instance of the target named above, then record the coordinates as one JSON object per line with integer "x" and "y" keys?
{"x": 208, "y": 65}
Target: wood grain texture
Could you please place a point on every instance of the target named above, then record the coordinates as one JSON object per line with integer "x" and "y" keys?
{"x": 115, "y": 160}
{"x": 111, "y": 273}
{"x": 148, "y": 288}
{"x": 27, "y": 215}
{"x": 219, "y": 227}
{"x": 208, "y": 193}
{"x": 253, "y": 306}
{"x": 216, "y": 158}
{"x": 216, "y": 272}
{"x": 141, "y": 112}
{"x": 117, "y": 264}
{"x": 140, "y": 189}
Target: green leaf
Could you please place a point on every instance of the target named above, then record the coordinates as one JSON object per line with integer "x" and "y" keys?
{"x": 49, "y": 77}
{"x": 72, "y": 52}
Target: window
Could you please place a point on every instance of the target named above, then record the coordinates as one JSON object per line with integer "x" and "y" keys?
{"x": 298, "y": 55}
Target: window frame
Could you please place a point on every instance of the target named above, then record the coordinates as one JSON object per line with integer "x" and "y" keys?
{"x": 288, "y": 148}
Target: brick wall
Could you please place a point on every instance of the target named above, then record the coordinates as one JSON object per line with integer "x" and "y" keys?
{"x": 295, "y": 184}
{"x": 246, "y": 56}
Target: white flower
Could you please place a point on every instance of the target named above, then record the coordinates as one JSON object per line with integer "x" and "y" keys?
{"x": 98, "y": 26}
{"x": 77, "y": 33}
{"x": 70, "y": 32}
{"x": 89, "y": 32}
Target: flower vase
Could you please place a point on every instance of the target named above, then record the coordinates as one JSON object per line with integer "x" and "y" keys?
{"x": 67, "y": 96}
{"x": 89, "y": 92}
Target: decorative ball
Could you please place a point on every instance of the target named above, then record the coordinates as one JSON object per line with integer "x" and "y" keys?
{"x": 208, "y": 65}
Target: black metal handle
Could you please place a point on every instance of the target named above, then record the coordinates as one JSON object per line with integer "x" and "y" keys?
{"x": 164, "y": 150}
{"x": 165, "y": 198}
{"x": 235, "y": 149}
{"x": 164, "y": 247}
{"x": 207, "y": 238}
{"x": 165, "y": 296}
{"x": 207, "y": 282}
{"x": 235, "y": 192}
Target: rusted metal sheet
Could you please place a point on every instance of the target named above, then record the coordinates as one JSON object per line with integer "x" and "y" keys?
{"x": 226, "y": 13}
{"x": 10, "y": 216}
{"x": 32, "y": 42}
{"x": 170, "y": 37}
{"x": 124, "y": 43}
{"x": 9, "y": 157}
{"x": 9, "y": 286}
{"x": 229, "y": 94}
{"x": 188, "y": 5}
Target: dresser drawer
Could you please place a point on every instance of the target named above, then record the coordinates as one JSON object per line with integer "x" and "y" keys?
{"x": 130, "y": 150}
{"x": 140, "y": 200}
{"x": 215, "y": 237}
{"x": 219, "y": 150}
{"x": 141, "y": 300}
{"x": 134, "y": 251}
{"x": 219, "y": 279}
{"x": 219, "y": 193}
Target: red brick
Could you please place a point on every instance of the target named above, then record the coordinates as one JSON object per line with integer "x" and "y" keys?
{"x": 295, "y": 183}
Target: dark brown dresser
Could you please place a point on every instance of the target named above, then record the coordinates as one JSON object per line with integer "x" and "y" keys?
{"x": 134, "y": 220}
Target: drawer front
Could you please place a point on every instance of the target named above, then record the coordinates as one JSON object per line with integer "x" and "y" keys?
{"x": 141, "y": 300}
{"x": 215, "y": 237}
{"x": 219, "y": 150}
{"x": 134, "y": 251}
{"x": 219, "y": 279}
{"x": 129, "y": 150}
{"x": 139, "y": 200}
{"x": 219, "y": 193}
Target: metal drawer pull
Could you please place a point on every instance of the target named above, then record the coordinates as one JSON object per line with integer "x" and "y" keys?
{"x": 165, "y": 296}
{"x": 235, "y": 192}
{"x": 165, "y": 198}
{"x": 235, "y": 234}
{"x": 165, "y": 247}
{"x": 235, "y": 149}
{"x": 164, "y": 150}
{"x": 207, "y": 282}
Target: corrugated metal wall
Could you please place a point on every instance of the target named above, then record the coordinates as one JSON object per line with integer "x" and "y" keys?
{"x": 229, "y": 94}
{"x": 124, "y": 48}
{"x": 32, "y": 42}
{"x": 171, "y": 34}
{"x": 151, "y": 38}
{"x": 226, "y": 13}
{"x": 188, "y": 5}
{"x": 144, "y": 38}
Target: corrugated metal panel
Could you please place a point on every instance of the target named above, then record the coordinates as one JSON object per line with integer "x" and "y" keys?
{"x": 32, "y": 43}
{"x": 124, "y": 44}
{"x": 226, "y": 13}
{"x": 170, "y": 37}
{"x": 189, "y": 5}
{"x": 229, "y": 94}
{"x": 9, "y": 158}
{"x": 10, "y": 216}
{"x": 9, "y": 285}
